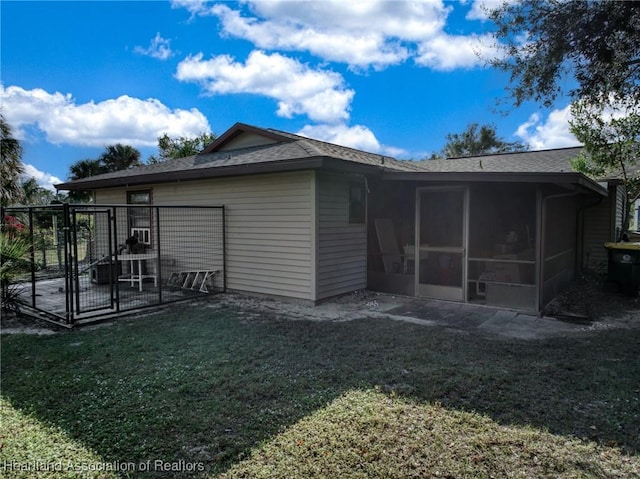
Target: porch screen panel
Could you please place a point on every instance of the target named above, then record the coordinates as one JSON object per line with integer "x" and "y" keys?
{"x": 502, "y": 244}
{"x": 559, "y": 248}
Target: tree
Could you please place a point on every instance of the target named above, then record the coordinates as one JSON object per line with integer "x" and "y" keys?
{"x": 612, "y": 143}
{"x": 115, "y": 158}
{"x": 10, "y": 164}
{"x": 84, "y": 169}
{"x": 478, "y": 140}
{"x": 172, "y": 148}
{"x": 593, "y": 46}
{"x": 119, "y": 157}
{"x": 546, "y": 43}
{"x": 34, "y": 194}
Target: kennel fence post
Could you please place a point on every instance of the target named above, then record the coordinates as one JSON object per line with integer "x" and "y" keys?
{"x": 32, "y": 254}
{"x": 68, "y": 264}
{"x": 158, "y": 266}
{"x": 115, "y": 256}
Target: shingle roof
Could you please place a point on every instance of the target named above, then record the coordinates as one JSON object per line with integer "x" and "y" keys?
{"x": 331, "y": 150}
{"x": 289, "y": 151}
{"x": 291, "y": 147}
{"x": 545, "y": 161}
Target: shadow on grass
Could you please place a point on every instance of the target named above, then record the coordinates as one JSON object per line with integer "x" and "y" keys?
{"x": 207, "y": 385}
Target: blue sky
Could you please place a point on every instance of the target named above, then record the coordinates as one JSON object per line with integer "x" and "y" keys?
{"x": 392, "y": 77}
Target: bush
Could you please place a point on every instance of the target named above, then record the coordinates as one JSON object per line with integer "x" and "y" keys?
{"x": 14, "y": 250}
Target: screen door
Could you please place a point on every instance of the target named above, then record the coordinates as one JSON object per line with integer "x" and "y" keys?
{"x": 440, "y": 260}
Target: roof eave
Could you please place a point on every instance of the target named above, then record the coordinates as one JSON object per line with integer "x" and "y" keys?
{"x": 500, "y": 177}
{"x": 298, "y": 164}
{"x": 195, "y": 174}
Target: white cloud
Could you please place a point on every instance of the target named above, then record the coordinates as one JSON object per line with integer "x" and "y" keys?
{"x": 45, "y": 180}
{"x": 552, "y": 132}
{"x": 124, "y": 119}
{"x": 357, "y": 136}
{"x": 196, "y": 7}
{"x": 159, "y": 48}
{"x": 356, "y": 46}
{"x": 298, "y": 89}
{"x": 449, "y": 52}
{"x": 373, "y": 33}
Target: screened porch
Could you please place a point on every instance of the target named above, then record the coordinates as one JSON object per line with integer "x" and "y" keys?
{"x": 509, "y": 245}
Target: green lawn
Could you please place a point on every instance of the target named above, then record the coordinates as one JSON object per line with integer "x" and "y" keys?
{"x": 205, "y": 392}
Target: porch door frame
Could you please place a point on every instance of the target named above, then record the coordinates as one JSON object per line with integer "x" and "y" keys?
{"x": 449, "y": 293}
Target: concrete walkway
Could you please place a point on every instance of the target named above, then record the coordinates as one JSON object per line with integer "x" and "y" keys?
{"x": 473, "y": 319}
{"x": 479, "y": 319}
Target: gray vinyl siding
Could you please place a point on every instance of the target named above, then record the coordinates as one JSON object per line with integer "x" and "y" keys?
{"x": 600, "y": 225}
{"x": 113, "y": 196}
{"x": 342, "y": 247}
{"x": 597, "y": 231}
{"x": 619, "y": 207}
{"x": 270, "y": 226}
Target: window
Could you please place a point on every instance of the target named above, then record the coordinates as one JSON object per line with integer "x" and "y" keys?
{"x": 140, "y": 218}
{"x": 357, "y": 203}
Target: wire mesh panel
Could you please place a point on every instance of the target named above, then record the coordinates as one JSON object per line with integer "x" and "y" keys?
{"x": 87, "y": 261}
{"x": 41, "y": 280}
{"x": 93, "y": 267}
{"x": 43, "y": 227}
{"x": 191, "y": 245}
{"x": 164, "y": 253}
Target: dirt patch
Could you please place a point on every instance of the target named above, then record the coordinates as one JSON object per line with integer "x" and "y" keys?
{"x": 589, "y": 300}
{"x": 359, "y": 304}
{"x": 14, "y": 323}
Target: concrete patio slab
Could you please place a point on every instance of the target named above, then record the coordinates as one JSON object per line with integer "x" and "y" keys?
{"x": 477, "y": 319}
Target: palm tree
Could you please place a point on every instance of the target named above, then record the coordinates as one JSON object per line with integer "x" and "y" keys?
{"x": 120, "y": 157}
{"x": 10, "y": 164}
{"x": 84, "y": 169}
{"x": 34, "y": 194}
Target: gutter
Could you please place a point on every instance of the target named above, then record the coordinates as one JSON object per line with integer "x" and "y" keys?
{"x": 498, "y": 176}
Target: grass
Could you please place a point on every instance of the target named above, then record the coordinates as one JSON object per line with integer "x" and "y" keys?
{"x": 221, "y": 393}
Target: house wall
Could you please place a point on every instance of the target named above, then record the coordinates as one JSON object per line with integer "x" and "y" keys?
{"x": 600, "y": 225}
{"x": 270, "y": 225}
{"x": 597, "y": 230}
{"x": 619, "y": 207}
{"x": 342, "y": 247}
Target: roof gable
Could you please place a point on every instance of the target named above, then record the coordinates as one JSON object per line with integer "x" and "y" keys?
{"x": 241, "y": 135}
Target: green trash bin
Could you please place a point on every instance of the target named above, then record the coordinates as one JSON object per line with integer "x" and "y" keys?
{"x": 624, "y": 266}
